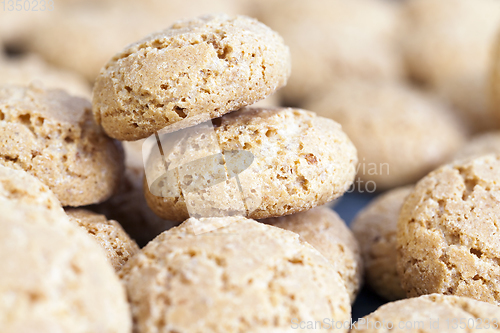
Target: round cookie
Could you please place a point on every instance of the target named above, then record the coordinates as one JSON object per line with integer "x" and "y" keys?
{"x": 128, "y": 205}
{"x": 55, "y": 278}
{"x": 400, "y": 133}
{"x": 327, "y": 232}
{"x": 108, "y": 233}
{"x": 328, "y": 45}
{"x": 54, "y": 137}
{"x": 446, "y": 232}
{"x": 375, "y": 229}
{"x": 481, "y": 144}
{"x": 430, "y": 314}
{"x": 447, "y": 45}
{"x": 243, "y": 277}
{"x": 26, "y": 69}
{"x": 299, "y": 161}
{"x": 192, "y": 72}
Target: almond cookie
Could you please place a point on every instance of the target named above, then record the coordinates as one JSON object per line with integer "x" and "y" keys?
{"x": 108, "y": 233}
{"x": 243, "y": 277}
{"x": 194, "y": 71}
{"x": 482, "y": 144}
{"x": 431, "y": 314}
{"x": 375, "y": 229}
{"x": 296, "y": 161}
{"x": 328, "y": 45}
{"x": 401, "y": 134}
{"x": 327, "y": 232}
{"x": 128, "y": 205}
{"x": 54, "y": 137}
{"x": 26, "y": 69}
{"x": 447, "y": 45}
{"x": 446, "y": 232}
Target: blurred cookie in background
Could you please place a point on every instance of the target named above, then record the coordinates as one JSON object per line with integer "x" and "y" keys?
{"x": 334, "y": 39}
{"x": 447, "y": 45}
{"x": 375, "y": 228}
{"x": 400, "y": 133}
{"x": 22, "y": 70}
{"x": 481, "y": 144}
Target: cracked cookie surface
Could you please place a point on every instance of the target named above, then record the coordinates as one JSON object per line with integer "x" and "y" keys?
{"x": 243, "y": 277}
{"x": 300, "y": 161}
{"x": 194, "y": 71}
{"x": 448, "y": 232}
{"x": 54, "y": 137}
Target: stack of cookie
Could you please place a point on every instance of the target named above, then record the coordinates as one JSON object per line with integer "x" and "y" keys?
{"x": 216, "y": 169}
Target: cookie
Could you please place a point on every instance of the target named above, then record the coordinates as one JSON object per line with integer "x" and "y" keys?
{"x": 327, "y": 232}
{"x": 494, "y": 91}
{"x": 446, "y": 229}
{"x": 447, "y": 45}
{"x": 128, "y": 205}
{"x": 108, "y": 233}
{"x": 54, "y": 137}
{"x": 327, "y": 45}
{"x": 295, "y": 161}
{"x": 26, "y": 69}
{"x": 400, "y": 133}
{"x": 192, "y": 72}
{"x": 375, "y": 229}
{"x": 55, "y": 278}
{"x": 430, "y": 314}
{"x": 244, "y": 277}
{"x": 481, "y": 144}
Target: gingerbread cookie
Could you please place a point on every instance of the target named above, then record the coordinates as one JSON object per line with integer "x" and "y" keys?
{"x": 243, "y": 277}
{"x": 276, "y": 162}
{"x": 54, "y": 137}
{"x": 446, "y": 232}
{"x": 327, "y": 232}
{"x": 375, "y": 230}
{"x": 194, "y": 71}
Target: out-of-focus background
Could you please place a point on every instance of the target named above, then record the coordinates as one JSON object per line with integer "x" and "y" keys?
{"x": 408, "y": 80}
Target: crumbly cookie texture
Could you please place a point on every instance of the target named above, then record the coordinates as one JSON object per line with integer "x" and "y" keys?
{"x": 300, "y": 161}
{"x": 128, "y": 204}
{"x": 481, "y": 144}
{"x": 327, "y": 232}
{"x": 400, "y": 133}
{"x": 447, "y": 45}
{"x": 329, "y": 46}
{"x": 446, "y": 232}
{"x": 243, "y": 277}
{"x": 109, "y": 234}
{"x": 30, "y": 68}
{"x": 54, "y": 137}
{"x": 55, "y": 278}
{"x": 194, "y": 71}
{"x": 432, "y": 313}
{"x": 375, "y": 228}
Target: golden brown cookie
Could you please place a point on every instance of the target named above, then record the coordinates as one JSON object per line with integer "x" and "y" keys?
{"x": 447, "y": 230}
{"x": 109, "y": 234}
{"x": 331, "y": 40}
{"x": 296, "y": 161}
{"x": 54, "y": 137}
{"x": 481, "y": 144}
{"x": 244, "y": 277}
{"x": 327, "y": 232}
{"x": 447, "y": 45}
{"x": 192, "y": 72}
{"x": 128, "y": 205}
{"x": 375, "y": 229}
{"x": 430, "y": 314}
{"x": 400, "y": 133}
{"x": 28, "y": 68}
